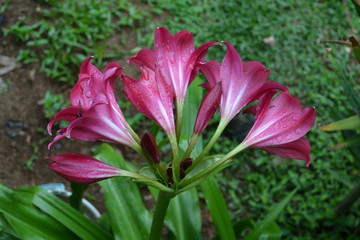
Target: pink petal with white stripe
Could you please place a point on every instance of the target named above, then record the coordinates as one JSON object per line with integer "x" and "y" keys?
{"x": 279, "y": 121}
{"x": 176, "y": 57}
{"x": 151, "y": 96}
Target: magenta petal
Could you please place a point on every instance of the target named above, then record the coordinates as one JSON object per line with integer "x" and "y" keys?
{"x": 68, "y": 114}
{"x": 144, "y": 58}
{"x": 207, "y": 109}
{"x": 197, "y": 57}
{"x": 148, "y": 145}
{"x": 152, "y": 97}
{"x": 95, "y": 114}
{"x": 242, "y": 83}
{"x": 298, "y": 149}
{"x": 279, "y": 121}
{"x": 57, "y": 138}
{"x": 82, "y": 169}
{"x": 211, "y": 70}
{"x": 101, "y": 122}
{"x": 177, "y": 57}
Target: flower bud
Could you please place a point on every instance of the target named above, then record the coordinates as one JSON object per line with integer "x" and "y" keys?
{"x": 148, "y": 145}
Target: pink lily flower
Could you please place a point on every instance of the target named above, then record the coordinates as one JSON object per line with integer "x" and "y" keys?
{"x": 280, "y": 126}
{"x": 151, "y": 95}
{"x": 242, "y": 83}
{"x": 176, "y": 57}
{"x": 79, "y": 168}
{"x": 208, "y": 108}
{"x": 94, "y": 114}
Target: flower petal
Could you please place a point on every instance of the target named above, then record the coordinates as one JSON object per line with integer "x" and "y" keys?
{"x": 280, "y": 121}
{"x": 298, "y": 149}
{"x": 82, "y": 169}
{"x": 101, "y": 122}
{"x": 211, "y": 70}
{"x": 152, "y": 97}
{"x": 208, "y": 108}
{"x": 68, "y": 114}
{"x": 177, "y": 57}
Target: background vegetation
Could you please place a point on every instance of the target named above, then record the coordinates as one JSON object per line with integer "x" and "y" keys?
{"x": 69, "y": 31}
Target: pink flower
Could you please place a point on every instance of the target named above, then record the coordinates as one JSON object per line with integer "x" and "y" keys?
{"x": 79, "y": 168}
{"x": 176, "y": 57}
{"x": 208, "y": 108}
{"x": 280, "y": 126}
{"x": 242, "y": 83}
{"x": 94, "y": 114}
{"x": 151, "y": 95}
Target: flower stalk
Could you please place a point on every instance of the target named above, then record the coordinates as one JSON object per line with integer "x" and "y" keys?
{"x": 161, "y": 207}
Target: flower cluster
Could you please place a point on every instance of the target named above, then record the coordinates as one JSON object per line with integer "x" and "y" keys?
{"x": 159, "y": 94}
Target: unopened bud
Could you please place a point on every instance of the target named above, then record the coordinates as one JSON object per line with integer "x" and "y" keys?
{"x": 186, "y": 163}
{"x": 148, "y": 145}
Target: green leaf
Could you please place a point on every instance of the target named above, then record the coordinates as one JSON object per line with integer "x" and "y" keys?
{"x": 349, "y": 123}
{"x": 347, "y": 83}
{"x": 357, "y": 6}
{"x": 242, "y": 225}
{"x": 191, "y": 107}
{"x": 129, "y": 219}
{"x": 355, "y": 47}
{"x": 341, "y": 176}
{"x": 28, "y": 221}
{"x": 6, "y": 230}
{"x": 348, "y": 143}
{"x": 217, "y": 206}
{"x": 63, "y": 212}
{"x": 270, "y": 218}
{"x": 183, "y": 216}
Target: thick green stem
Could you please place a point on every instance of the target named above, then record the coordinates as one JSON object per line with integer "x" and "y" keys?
{"x": 161, "y": 207}
{"x": 211, "y": 143}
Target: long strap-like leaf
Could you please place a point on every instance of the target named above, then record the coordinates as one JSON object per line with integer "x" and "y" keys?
{"x": 129, "y": 219}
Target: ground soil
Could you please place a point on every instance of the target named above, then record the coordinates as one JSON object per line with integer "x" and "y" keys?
{"x": 21, "y": 116}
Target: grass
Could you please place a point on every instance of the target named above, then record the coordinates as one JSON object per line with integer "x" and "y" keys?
{"x": 298, "y": 60}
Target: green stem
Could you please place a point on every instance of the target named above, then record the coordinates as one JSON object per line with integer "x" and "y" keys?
{"x": 161, "y": 207}
{"x": 211, "y": 143}
{"x": 191, "y": 146}
{"x": 133, "y": 134}
{"x": 175, "y": 158}
{"x": 213, "y": 167}
{"x": 179, "y": 115}
{"x": 77, "y": 193}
